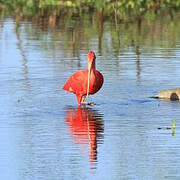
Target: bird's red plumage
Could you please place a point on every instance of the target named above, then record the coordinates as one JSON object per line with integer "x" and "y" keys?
{"x": 78, "y": 82}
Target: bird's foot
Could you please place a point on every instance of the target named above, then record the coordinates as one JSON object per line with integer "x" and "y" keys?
{"x": 91, "y": 103}
{"x": 87, "y": 103}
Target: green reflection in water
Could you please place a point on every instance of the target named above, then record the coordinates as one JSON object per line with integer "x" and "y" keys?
{"x": 77, "y": 33}
{"x": 117, "y": 9}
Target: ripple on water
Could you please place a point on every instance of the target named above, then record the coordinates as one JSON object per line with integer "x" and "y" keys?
{"x": 126, "y": 135}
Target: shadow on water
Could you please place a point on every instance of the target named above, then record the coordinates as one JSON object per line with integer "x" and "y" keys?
{"x": 87, "y": 127}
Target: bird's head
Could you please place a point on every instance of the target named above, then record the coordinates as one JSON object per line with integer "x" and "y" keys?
{"x": 91, "y": 56}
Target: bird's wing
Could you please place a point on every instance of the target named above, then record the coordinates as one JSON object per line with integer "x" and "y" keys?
{"x": 100, "y": 80}
{"x": 77, "y": 82}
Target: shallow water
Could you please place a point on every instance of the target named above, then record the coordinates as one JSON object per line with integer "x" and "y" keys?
{"x": 126, "y": 135}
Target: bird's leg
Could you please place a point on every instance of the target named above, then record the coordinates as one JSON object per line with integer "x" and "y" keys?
{"x": 79, "y": 99}
{"x": 83, "y": 102}
{"x": 83, "y": 99}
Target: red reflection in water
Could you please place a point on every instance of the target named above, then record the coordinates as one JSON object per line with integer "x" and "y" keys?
{"x": 86, "y": 126}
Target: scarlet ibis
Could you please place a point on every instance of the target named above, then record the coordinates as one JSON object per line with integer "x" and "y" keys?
{"x": 85, "y": 82}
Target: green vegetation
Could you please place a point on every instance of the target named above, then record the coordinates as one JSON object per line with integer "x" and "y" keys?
{"x": 127, "y": 23}
{"x": 120, "y": 9}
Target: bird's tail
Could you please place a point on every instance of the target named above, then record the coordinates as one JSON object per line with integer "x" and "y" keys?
{"x": 65, "y": 87}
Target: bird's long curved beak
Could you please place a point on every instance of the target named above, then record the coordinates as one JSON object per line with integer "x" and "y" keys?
{"x": 89, "y": 75}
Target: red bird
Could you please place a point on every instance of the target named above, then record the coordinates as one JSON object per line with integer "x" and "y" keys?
{"x": 85, "y": 82}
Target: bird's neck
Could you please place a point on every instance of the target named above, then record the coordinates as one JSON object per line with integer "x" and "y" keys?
{"x": 93, "y": 66}
{"x": 93, "y": 74}
{"x": 92, "y": 70}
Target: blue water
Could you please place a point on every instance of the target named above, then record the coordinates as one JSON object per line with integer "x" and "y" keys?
{"x": 126, "y": 135}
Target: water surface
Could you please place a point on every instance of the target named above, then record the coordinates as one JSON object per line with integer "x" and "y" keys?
{"x": 44, "y": 135}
